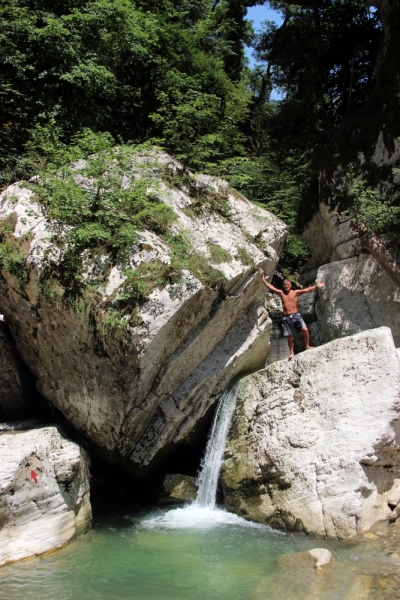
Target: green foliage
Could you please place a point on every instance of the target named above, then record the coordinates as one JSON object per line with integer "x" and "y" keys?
{"x": 244, "y": 256}
{"x": 184, "y": 257}
{"x": 168, "y": 71}
{"x": 320, "y": 50}
{"x": 366, "y": 205}
{"x": 12, "y": 254}
{"x": 218, "y": 254}
{"x": 173, "y": 73}
{"x": 92, "y": 210}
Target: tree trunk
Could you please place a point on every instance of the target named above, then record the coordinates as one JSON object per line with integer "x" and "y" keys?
{"x": 371, "y": 242}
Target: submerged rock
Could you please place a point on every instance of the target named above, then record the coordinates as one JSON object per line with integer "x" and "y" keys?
{"x": 140, "y": 391}
{"x": 44, "y": 493}
{"x": 313, "y": 444}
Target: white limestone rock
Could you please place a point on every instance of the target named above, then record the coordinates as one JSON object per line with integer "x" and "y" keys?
{"x": 44, "y": 493}
{"x": 330, "y": 237}
{"x": 359, "y": 295}
{"x": 320, "y": 556}
{"x": 138, "y": 395}
{"x": 313, "y": 443}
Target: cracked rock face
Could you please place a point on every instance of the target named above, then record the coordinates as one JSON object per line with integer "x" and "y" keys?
{"x": 359, "y": 294}
{"x": 44, "y": 493}
{"x": 137, "y": 396}
{"x": 313, "y": 445}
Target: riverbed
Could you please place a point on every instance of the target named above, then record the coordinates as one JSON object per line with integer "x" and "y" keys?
{"x": 196, "y": 553}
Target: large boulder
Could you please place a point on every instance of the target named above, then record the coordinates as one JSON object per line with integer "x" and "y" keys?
{"x": 142, "y": 390}
{"x": 44, "y": 493}
{"x": 313, "y": 445}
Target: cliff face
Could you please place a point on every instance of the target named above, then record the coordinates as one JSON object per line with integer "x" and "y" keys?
{"x": 140, "y": 391}
{"x": 360, "y": 295}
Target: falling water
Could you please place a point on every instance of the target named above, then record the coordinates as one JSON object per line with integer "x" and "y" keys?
{"x": 208, "y": 478}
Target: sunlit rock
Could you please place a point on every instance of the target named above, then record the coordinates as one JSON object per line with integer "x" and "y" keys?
{"x": 320, "y": 556}
{"x": 313, "y": 445}
{"x": 359, "y": 295}
{"x": 140, "y": 391}
{"x": 44, "y": 493}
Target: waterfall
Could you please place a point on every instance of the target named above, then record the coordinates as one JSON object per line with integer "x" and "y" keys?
{"x": 211, "y": 464}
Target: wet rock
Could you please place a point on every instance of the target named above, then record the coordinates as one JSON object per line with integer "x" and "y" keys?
{"x": 177, "y": 488}
{"x": 44, "y": 493}
{"x": 360, "y": 588}
{"x": 313, "y": 443}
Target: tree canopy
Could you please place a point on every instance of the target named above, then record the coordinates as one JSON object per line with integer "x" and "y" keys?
{"x": 174, "y": 73}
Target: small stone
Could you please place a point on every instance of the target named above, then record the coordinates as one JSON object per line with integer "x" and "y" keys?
{"x": 179, "y": 487}
{"x": 321, "y": 557}
{"x": 370, "y": 536}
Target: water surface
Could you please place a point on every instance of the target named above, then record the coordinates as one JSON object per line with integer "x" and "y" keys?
{"x": 195, "y": 553}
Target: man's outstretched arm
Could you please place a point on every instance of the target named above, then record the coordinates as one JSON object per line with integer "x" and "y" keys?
{"x": 269, "y": 286}
{"x": 321, "y": 284}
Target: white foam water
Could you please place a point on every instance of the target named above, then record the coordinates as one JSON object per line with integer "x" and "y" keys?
{"x": 202, "y": 513}
{"x": 211, "y": 464}
{"x": 193, "y": 517}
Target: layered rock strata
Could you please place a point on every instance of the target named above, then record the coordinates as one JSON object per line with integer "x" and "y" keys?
{"x": 313, "y": 445}
{"x": 44, "y": 493}
{"x": 137, "y": 396}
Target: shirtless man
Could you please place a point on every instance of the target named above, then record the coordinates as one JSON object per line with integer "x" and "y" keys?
{"x": 292, "y": 319}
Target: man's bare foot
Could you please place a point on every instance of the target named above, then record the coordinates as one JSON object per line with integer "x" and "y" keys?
{"x": 290, "y": 356}
{"x": 310, "y": 347}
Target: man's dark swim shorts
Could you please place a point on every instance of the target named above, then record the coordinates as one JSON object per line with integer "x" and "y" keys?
{"x": 292, "y": 323}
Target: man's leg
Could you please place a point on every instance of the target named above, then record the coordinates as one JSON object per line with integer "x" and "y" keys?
{"x": 306, "y": 337}
{"x": 290, "y": 342}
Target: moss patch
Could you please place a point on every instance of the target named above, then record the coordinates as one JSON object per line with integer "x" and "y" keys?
{"x": 218, "y": 254}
